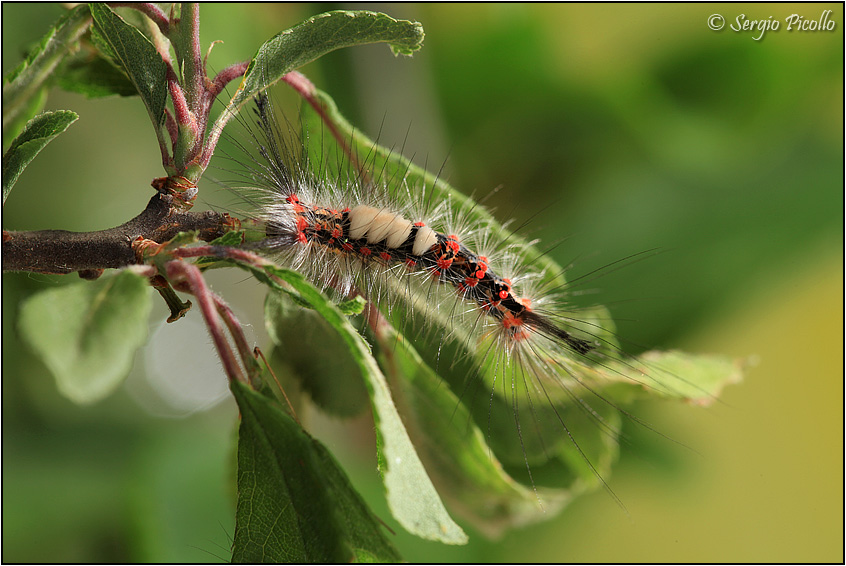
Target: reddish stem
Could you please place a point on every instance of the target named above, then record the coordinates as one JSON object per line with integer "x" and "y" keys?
{"x": 185, "y": 120}
{"x": 227, "y": 75}
{"x": 194, "y": 76}
{"x": 150, "y": 10}
{"x": 189, "y": 274}
{"x": 306, "y": 89}
{"x": 300, "y": 83}
{"x": 193, "y": 60}
{"x": 235, "y": 330}
{"x": 222, "y": 251}
{"x": 180, "y": 104}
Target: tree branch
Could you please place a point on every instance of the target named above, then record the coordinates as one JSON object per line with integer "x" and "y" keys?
{"x": 61, "y": 251}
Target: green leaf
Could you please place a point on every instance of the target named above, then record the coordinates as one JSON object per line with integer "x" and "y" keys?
{"x": 94, "y": 77}
{"x": 38, "y": 132}
{"x": 411, "y": 496}
{"x": 316, "y": 355}
{"x": 454, "y": 450}
{"x": 87, "y": 332}
{"x": 321, "y": 34}
{"x": 295, "y": 504}
{"x": 233, "y": 238}
{"x": 674, "y": 374}
{"x": 28, "y": 78}
{"x": 353, "y": 306}
{"x": 312, "y": 39}
{"x": 138, "y": 58}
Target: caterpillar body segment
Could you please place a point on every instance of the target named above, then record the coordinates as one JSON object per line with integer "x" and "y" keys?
{"x": 371, "y": 234}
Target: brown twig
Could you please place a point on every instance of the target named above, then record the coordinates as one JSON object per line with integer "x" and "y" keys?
{"x": 61, "y": 251}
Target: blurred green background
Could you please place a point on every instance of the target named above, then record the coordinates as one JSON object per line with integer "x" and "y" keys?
{"x": 620, "y": 127}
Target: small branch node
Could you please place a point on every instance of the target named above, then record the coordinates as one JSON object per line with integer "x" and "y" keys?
{"x": 183, "y": 190}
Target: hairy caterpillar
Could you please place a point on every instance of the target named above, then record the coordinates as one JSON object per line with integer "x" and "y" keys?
{"x": 500, "y": 317}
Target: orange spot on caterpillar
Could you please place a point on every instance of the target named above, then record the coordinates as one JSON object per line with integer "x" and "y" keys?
{"x": 520, "y": 333}
{"x": 419, "y": 224}
{"x": 503, "y": 294}
{"x": 294, "y": 201}
{"x": 365, "y": 251}
{"x": 517, "y": 327}
{"x": 348, "y": 247}
{"x": 385, "y": 256}
{"x": 444, "y": 264}
{"x": 491, "y": 304}
{"x": 510, "y": 320}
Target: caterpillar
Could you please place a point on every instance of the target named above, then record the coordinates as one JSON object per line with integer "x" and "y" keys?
{"x": 418, "y": 258}
{"x": 387, "y": 238}
{"x": 346, "y": 238}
